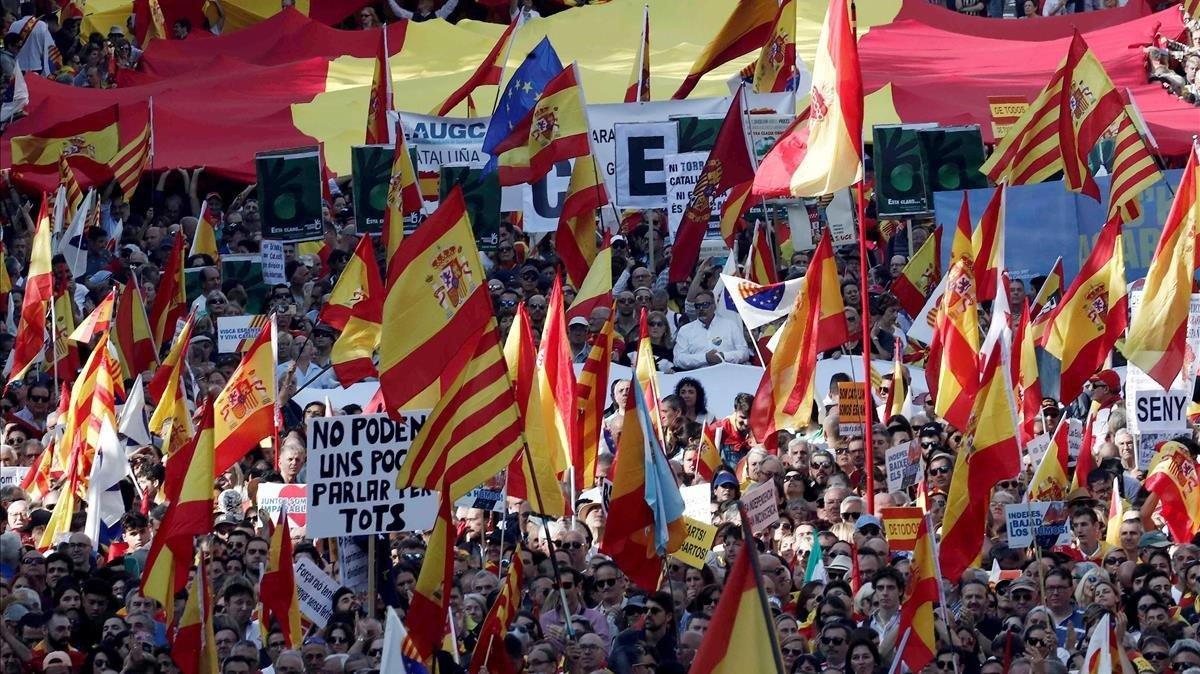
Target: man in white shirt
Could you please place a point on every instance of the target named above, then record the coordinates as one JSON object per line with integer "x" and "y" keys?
{"x": 709, "y": 340}
{"x": 37, "y": 37}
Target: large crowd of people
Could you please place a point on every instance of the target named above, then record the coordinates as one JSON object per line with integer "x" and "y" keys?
{"x": 75, "y": 606}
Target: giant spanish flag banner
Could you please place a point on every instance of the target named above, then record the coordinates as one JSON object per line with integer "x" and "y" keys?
{"x": 1174, "y": 480}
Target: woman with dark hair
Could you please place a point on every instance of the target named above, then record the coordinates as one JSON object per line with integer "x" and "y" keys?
{"x": 102, "y": 659}
{"x": 863, "y": 657}
{"x": 695, "y": 402}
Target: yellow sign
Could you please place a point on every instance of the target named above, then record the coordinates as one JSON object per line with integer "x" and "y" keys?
{"x": 900, "y": 527}
{"x": 700, "y": 539}
{"x": 852, "y": 409}
{"x": 1006, "y": 110}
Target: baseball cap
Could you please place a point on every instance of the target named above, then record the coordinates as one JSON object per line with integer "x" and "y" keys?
{"x": 621, "y": 238}
{"x": 231, "y": 519}
{"x": 1022, "y": 583}
{"x": 15, "y": 611}
{"x": 56, "y": 658}
{"x": 578, "y": 320}
{"x": 1154, "y": 539}
{"x": 930, "y": 430}
{"x": 867, "y": 521}
{"x": 723, "y": 479}
{"x": 37, "y": 518}
{"x": 1109, "y": 378}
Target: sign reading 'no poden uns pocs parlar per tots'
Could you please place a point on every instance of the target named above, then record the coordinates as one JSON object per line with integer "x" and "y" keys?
{"x": 353, "y": 461}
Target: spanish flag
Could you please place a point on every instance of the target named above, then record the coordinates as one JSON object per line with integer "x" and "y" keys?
{"x": 188, "y": 485}
{"x": 958, "y": 337}
{"x": 90, "y": 142}
{"x": 1105, "y": 654}
{"x": 30, "y": 339}
{"x": 430, "y": 600}
{"x": 708, "y": 458}
{"x": 920, "y": 275}
{"x": 1051, "y": 288}
{"x": 1050, "y": 481}
{"x": 645, "y": 513}
{"x": 638, "y": 90}
{"x": 1091, "y": 316}
{"x": 777, "y": 61}
{"x": 59, "y": 526}
{"x": 596, "y": 289}
{"x": 992, "y": 454}
{"x": 170, "y": 301}
{"x": 741, "y": 637}
{"x": 1116, "y": 513}
{"x": 987, "y": 244}
{"x": 898, "y": 394}
{"x": 475, "y": 429}
{"x": 1157, "y": 337}
{"x": 1174, "y": 480}
{"x": 244, "y": 411}
{"x": 747, "y": 28}
{"x": 204, "y": 242}
{"x": 277, "y": 589}
{"x": 490, "y": 642}
{"x": 132, "y": 332}
{"x": 79, "y": 406}
{"x": 576, "y": 237}
{"x": 488, "y": 73}
{"x": 355, "y": 308}
{"x": 591, "y": 395}
{"x": 434, "y": 307}
{"x": 403, "y": 198}
{"x": 555, "y": 129}
{"x": 1025, "y": 373}
{"x": 554, "y": 376}
{"x": 817, "y": 323}
{"x": 832, "y": 138}
{"x": 194, "y": 642}
{"x": 63, "y": 354}
{"x": 918, "y": 639}
{"x": 96, "y": 322}
{"x": 531, "y": 475}
{"x": 381, "y": 96}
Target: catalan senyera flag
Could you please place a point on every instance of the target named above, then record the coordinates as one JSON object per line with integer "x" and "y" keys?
{"x": 920, "y": 275}
{"x": 994, "y": 455}
{"x": 430, "y": 598}
{"x": 132, "y": 335}
{"x": 736, "y": 203}
{"x": 488, "y": 72}
{"x": 30, "y": 339}
{"x": 355, "y": 308}
{"x": 96, "y": 322}
{"x": 817, "y": 323}
{"x": 761, "y": 269}
{"x": 747, "y": 28}
{"x": 728, "y": 164}
{"x": 69, "y": 190}
{"x": 277, "y": 589}
{"x": 596, "y": 289}
{"x": 1157, "y": 337}
{"x": 433, "y": 309}
{"x": 638, "y": 90}
{"x": 475, "y": 429}
{"x": 134, "y": 157}
{"x": 490, "y": 648}
{"x": 381, "y": 96}
{"x": 777, "y": 61}
{"x": 576, "y": 236}
{"x": 916, "y": 629}
{"x": 1091, "y": 316}
{"x": 987, "y": 244}
{"x": 170, "y": 301}
{"x": 244, "y": 411}
{"x": 204, "y": 242}
{"x": 645, "y": 512}
{"x": 194, "y": 643}
{"x": 591, "y": 393}
{"x": 1133, "y": 167}
{"x": 189, "y": 487}
{"x": 1051, "y": 481}
{"x": 1025, "y": 373}
{"x": 958, "y": 333}
{"x": 742, "y": 636}
{"x": 403, "y": 198}
{"x": 1060, "y": 127}
{"x": 555, "y": 129}
{"x": 832, "y": 137}
{"x": 79, "y": 406}
{"x": 1173, "y": 478}
{"x": 531, "y": 475}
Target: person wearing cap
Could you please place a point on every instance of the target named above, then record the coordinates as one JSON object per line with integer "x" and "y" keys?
{"x": 577, "y": 337}
{"x": 710, "y": 339}
{"x": 1023, "y": 595}
{"x": 1104, "y": 390}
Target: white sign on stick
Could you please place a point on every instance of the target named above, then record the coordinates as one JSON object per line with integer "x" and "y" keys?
{"x": 762, "y": 506}
{"x": 314, "y": 589}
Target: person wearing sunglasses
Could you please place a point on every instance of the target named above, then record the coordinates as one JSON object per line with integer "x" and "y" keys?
{"x": 656, "y": 638}
{"x": 834, "y": 643}
{"x": 710, "y": 339}
{"x": 940, "y": 471}
{"x": 552, "y": 621}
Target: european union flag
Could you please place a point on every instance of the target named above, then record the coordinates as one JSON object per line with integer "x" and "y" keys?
{"x": 521, "y": 94}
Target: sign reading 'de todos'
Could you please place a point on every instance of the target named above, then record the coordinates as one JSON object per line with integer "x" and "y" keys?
{"x": 352, "y": 466}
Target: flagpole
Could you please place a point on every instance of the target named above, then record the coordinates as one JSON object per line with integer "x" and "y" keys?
{"x": 150, "y": 106}
{"x": 504, "y": 66}
{"x": 643, "y": 47}
{"x": 864, "y": 320}
{"x": 537, "y": 494}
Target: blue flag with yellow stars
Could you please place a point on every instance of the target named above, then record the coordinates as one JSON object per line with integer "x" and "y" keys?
{"x": 519, "y": 97}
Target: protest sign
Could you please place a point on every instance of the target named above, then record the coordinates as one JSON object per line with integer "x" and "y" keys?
{"x": 765, "y": 130}
{"x": 641, "y": 153}
{"x": 13, "y": 476}
{"x": 1074, "y": 437}
{"x": 1147, "y": 445}
{"x": 697, "y": 502}
{"x": 762, "y": 506}
{"x": 481, "y": 192}
{"x": 371, "y": 166}
{"x": 542, "y": 201}
{"x": 1035, "y": 450}
{"x": 353, "y": 564}
{"x": 235, "y": 334}
{"x": 900, "y": 527}
{"x": 289, "y": 194}
{"x": 273, "y": 263}
{"x": 353, "y": 461}
{"x": 903, "y": 465}
{"x": 314, "y": 589}
{"x": 699, "y": 541}
{"x": 246, "y": 271}
{"x": 683, "y": 170}
{"x": 1005, "y": 111}
{"x": 1043, "y": 521}
{"x": 852, "y": 409}
{"x": 274, "y": 496}
{"x": 809, "y": 220}
{"x": 482, "y": 498}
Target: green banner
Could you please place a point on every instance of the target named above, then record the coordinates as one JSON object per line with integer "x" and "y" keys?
{"x": 289, "y": 194}
{"x": 953, "y": 156}
{"x": 247, "y": 270}
{"x": 482, "y": 195}
{"x": 901, "y": 187}
{"x": 371, "y": 166}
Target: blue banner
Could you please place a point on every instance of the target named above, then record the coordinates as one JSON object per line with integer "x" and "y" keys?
{"x": 1044, "y": 221}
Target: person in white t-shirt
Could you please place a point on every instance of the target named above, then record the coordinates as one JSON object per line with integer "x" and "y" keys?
{"x": 711, "y": 339}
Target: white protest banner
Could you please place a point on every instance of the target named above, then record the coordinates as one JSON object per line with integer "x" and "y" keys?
{"x": 697, "y": 502}
{"x": 235, "y": 334}
{"x": 1074, "y": 437}
{"x": 641, "y": 154}
{"x": 805, "y": 225}
{"x": 765, "y": 130}
{"x": 903, "y": 465}
{"x": 1147, "y": 445}
{"x": 13, "y": 476}
{"x": 314, "y": 589}
{"x": 838, "y": 216}
{"x": 683, "y": 170}
{"x": 543, "y": 200}
{"x": 353, "y": 564}
{"x": 482, "y": 498}
{"x": 274, "y": 496}
{"x": 1045, "y": 521}
{"x": 272, "y": 262}
{"x": 762, "y": 506}
{"x": 1036, "y": 449}
{"x": 352, "y": 466}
